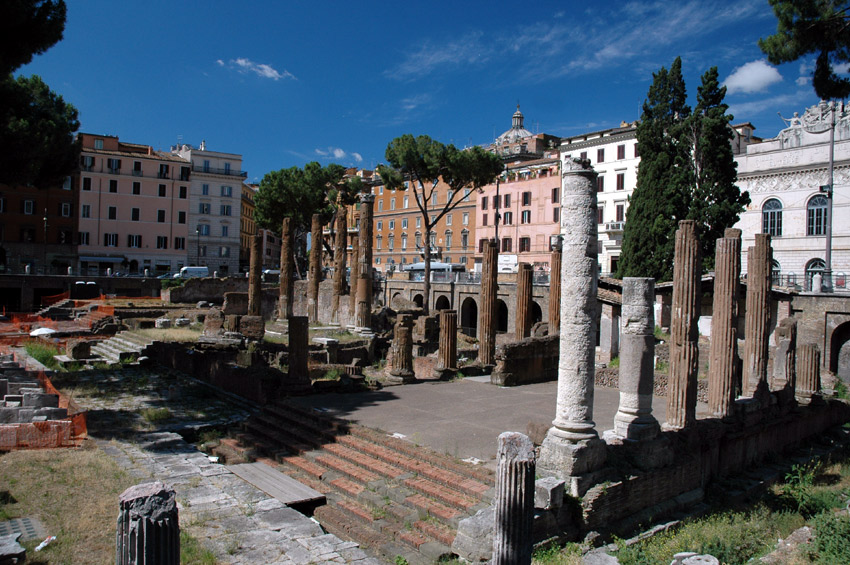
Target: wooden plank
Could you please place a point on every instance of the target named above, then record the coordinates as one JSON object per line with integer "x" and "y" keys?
{"x": 275, "y": 484}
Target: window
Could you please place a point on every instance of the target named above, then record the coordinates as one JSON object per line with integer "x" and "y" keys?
{"x": 137, "y": 188}
{"x": 2, "y": 204}
{"x": 464, "y": 239}
{"x": 418, "y": 240}
{"x": 205, "y": 188}
{"x": 163, "y": 171}
{"x": 380, "y": 205}
{"x": 600, "y": 155}
{"x": 85, "y": 211}
{"x": 448, "y": 240}
{"x": 181, "y": 217}
{"x": 381, "y": 190}
{"x": 390, "y": 242}
{"x": 599, "y": 214}
{"x": 162, "y": 191}
{"x": 29, "y": 207}
{"x": 526, "y": 217}
{"x": 481, "y": 243}
{"x": 110, "y": 240}
{"x": 134, "y": 241}
{"x": 526, "y": 198}
{"x": 814, "y": 267}
{"x": 84, "y": 238}
{"x": 113, "y": 213}
{"x": 27, "y": 234}
{"x": 433, "y": 239}
{"x": 466, "y": 192}
{"x": 179, "y": 243}
{"x": 621, "y": 152}
{"x": 484, "y": 219}
{"x": 184, "y": 192}
{"x": 225, "y": 210}
{"x": 204, "y": 208}
{"x": 137, "y": 168}
{"x": 160, "y": 216}
{"x": 508, "y": 218}
{"x": 507, "y": 245}
{"x": 600, "y": 184}
{"x": 184, "y": 173}
{"x": 637, "y": 152}
{"x": 406, "y": 201}
{"x": 392, "y": 204}
{"x": 583, "y": 155}
{"x": 418, "y": 222}
{"x": 227, "y": 191}
{"x": 134, "y": 215}
{"x": 621, "y": 181}
{"x": 86, "y": 183}
{"x": 206, "y": 165}
{"x": 556, "y": 215}
{"x": 775, "y": 272}
{"x": 403, "y": 242}
{"x": 433, "y": 219}
{"x": 113, "y": 185}
{"x": 448, "y": 219}
{"x": 114, "y": 165}
{"x": 380, "y": 225}
{"x": 466, "y": 218}
{"x": 620, "y": 212}
{"x": 161, "y": 242}
{"x": 224, "y": 251}
{"x": 524, "y": 244}
{"x": 378, "y": 241}
{"x": 227, "y": 172}
{"x": 449, "y": 195}
{"x": 203, "y": 229}
{"x": 816, "y": 224}
{"x": 483, "y": 202}
{"x": 404, "y": 223}
{"x": 392, "y": 224}
{"x": 87, "y": 162}
{"x": 771, "y": 217}
{"x": 555, "y": 195}
{"x": 98, "y": 144}
{"x": 497, "y": 201}
{"x": 434, "y": 199}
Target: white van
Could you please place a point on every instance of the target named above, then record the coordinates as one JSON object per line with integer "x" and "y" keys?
{"x": 192, "y": 272}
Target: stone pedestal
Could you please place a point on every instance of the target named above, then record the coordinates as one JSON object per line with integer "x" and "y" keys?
{"x": 555, "y": 292}
{"x": 487, "y": 312}
{"x": 684, "y": 337}
{"x": 401, "y": 366}
{"x": 447, "y": 356}
{"x": 148, "y": 527}
{"x": 808, "y": 374}
{"x": 363, "y": 304}
{"x": 252, "y": 327}
{"x": 523, "y": 301}
{"x": 572, "y": 447}
{"x": 315, "y": 274}
{"x": 255, "y": 270}
{"x": 723, "y": 355}
{"x": 757, "y": 319}
{"x": 299, "y": 352}
{"x": 287, "y": 266}
{"x": 340, "y": 245}
{"x": 512, "y": 540}
{"x": 634, "y": 419}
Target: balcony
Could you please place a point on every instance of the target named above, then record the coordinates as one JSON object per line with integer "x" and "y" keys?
{"x": 215, "y": 171}
{"x": 614, "y": 227}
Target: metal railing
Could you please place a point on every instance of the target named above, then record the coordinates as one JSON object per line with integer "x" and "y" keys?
{"x": 217, "y": 171}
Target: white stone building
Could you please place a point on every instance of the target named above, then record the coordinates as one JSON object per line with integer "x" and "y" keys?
{"x": 784, "y": 177}
{"x": 215, "y": 199}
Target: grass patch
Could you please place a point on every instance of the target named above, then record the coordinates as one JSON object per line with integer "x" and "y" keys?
{"x": 43, "y": 353}
{"x": 73, "y": 492}
{"x": 180, "y": 335}
{"x": 155, "y": 415}
{"x": 614, "y": 363}
{"x": 332, "y": 375}
{"x": 841, "y": 390}
{"x": 570, "y": 554}
{"x": 192, "y": 553}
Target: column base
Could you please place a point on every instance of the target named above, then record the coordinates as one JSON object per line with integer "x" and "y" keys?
{"x": 566, "y": 458}
{"x": 400, "y": 377}
{"x": 444, "y": 374}
{"x": 645, "y": 454}
{"x": 638, "y": 429}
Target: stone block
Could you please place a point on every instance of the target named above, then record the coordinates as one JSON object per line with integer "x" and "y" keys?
{"x": 8, "y": 415}
{"x": 78, "y": 349}
{"x": 4, "y": 387}
{"x": 548, "y": 493}
{"x": 252, "y": 327}
{"x": 182, "y": 322}
{"x": 25, "y": 415}
{"x": 202, "y": 304}
{"x": 213, "y": 323}
{"x": 51, "y": 413}
{"x": 162, "y": 323}
{"x": 474, "y": 540}
{"x": 13, "y": 400}
{"x": 231, "y": 323}
{"x": 40, "y": 400}
{"x": 15, "y": 387}
{"x": 235, "y": 303}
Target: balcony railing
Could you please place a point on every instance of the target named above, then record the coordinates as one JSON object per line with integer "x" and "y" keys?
{"x": 215, "y": 171}
{"x": 614, "y": 226}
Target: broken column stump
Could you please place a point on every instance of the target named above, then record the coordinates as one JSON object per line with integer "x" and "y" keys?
{"x": 487, "y": 314}
{"x": 255, "y": 270}
{"x": 723, "y": 355}
{"x": 148, "y": 526}
{"x": 523, "y": 301}
{"x": 512, "y": 541}
{"x": 447, "y": 356}
{"x": 401, "y": 364}
{"x": 757, "y": 319}
{"x": 315, "y": 274}
{"x": 808, "y": 374}
{"x": 287, "y": 266}
{"x": 555, "y": 291}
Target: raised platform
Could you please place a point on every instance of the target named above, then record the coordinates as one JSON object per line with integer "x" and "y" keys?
{"x": 274, "y": 483}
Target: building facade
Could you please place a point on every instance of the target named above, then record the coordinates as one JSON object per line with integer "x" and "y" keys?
{"x": 214, "y": 208}
{"x": 133, "y": 207}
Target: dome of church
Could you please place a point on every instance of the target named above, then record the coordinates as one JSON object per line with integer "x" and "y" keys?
{"x": 517, "y": 130}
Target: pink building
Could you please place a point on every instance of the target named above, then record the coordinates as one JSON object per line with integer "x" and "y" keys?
{"x": 133, "y": 210}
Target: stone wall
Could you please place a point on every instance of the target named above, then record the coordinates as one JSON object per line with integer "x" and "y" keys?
{"x": 531, "y": 360}
{"x": 206, "y": 289}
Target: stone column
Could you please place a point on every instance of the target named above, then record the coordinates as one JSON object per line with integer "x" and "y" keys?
{"x": 353, "y": 277}
{"x": 512, "y": 540}
{"x": 523, "y": 301}
{"x": 808, "y": 374}
{"x": 757, "y": 319}
{"x": 402, "y": 358}
{"x": 148, "y": 526}
{"x": 363, "y": 306}
{"x": 447, "y": 356}
{"x": 299, "y": 350}
{"x": 634, "y": 419}
{"x": 684, "y": 335}
{"x": 255, "y": 270}
{"x": 315, "y": 275}
{"x": 572, "y": 448}
{"x": 723, "y": 355}
{"x": 487, "y": 312}
{"x": 287, "y": 268}
{"x": 555, "y": 292}
{"x": 340, "y": 245}
{"x": 785, "y": 357}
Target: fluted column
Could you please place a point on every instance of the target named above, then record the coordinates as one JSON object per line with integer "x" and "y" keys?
{"x": 148, "y": 526}
{"x": 299, "y": 351}
{"x": 340, "y": 244}
{"x": 402, "y": 358}
{"x": 315, "y": 269}
{"x": 447, "y": 359}
{"x": 512, "y": 540}
{"x": 555, "y": 291}
{"x": 487, "y": 313}
{"x": 634, "y": 419}
{"x": 523, "y": 301}
{"x": 363, "y": 306}
{"x": 255, "y": 270}
{"x": 723, "y": 354}
{"x": 757, "y": 319}
{"x": 353, "y": 277}
{"x": 684, "y": 338}
{"x": 808, "y": 374}
{"x": 287, "y": 267}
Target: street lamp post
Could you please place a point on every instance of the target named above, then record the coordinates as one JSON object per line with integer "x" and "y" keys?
{"x": 45, "y": 241}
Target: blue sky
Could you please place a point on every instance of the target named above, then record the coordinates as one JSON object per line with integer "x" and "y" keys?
{"x": 287, "y": 82}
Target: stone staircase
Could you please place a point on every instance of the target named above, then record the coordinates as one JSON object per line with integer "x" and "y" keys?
{"x": 62, "y": 310}
{"x": 91, "y": 317}
{"x": 390, "y": 496}
{"x": 124, "y": 347}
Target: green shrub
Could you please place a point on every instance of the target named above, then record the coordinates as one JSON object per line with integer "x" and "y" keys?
{"x": 154, "y": 415}
{"x": 173, "y": 283}
{"x": 43, "y": 353}
{"x": 832, "y": 538}
{"x": 192, "y": 553}
{"x": 614, "y": 363}
{"x": 800, "y": 495}
{"x": 841, "y": 390}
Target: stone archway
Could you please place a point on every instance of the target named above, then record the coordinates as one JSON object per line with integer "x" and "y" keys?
{"x": 418, "y": 300}
{"x": 442, "y": 303}
{"x": 839, "y": 358}
{"x": 536, "y": 313}
{"x": 501, "y": 316}
{"x": 469, "y": 317}
{"x": 395, "y": 301}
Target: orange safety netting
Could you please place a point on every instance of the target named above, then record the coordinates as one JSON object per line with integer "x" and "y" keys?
{"x": 48, "y": 300}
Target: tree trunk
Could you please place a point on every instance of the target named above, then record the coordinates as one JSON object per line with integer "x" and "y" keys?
{"x": 427, "y": 285}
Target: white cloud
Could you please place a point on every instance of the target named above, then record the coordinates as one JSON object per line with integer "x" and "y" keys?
{"x": 263, "y": 70}
{"x": 339, "y": 154}
{"x": 754, "y": 76}
{"x": 743, "y": 110}
{"x": 802, "y": 81}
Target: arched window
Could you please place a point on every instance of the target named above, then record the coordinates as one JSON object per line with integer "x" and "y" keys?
{"x": 771, "y": 217}
{"x": 816, "y": 222}
{"x": 775, "y": 272}
{"x": 815, "y": 266}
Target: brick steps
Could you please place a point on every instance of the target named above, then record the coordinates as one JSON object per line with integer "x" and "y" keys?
{"x": 387, "y": 494}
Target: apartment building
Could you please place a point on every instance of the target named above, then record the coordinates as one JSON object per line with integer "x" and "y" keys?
{"x": 133, "y": 207}
{"x": 215, "y": 207}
